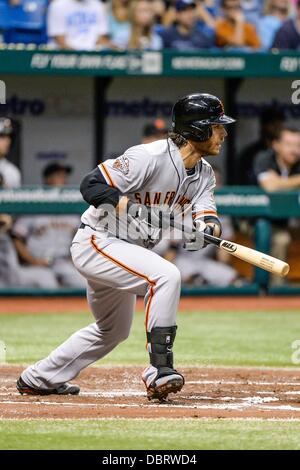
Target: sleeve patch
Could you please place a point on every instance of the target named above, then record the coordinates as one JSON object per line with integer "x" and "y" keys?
{"x": 122, "y": 164}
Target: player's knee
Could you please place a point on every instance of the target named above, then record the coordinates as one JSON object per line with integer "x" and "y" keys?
{"x": 116, "y": 334}
{"x": 120, "y": 332}
{"x": 122, "y": 336}
{"x": 172, "y": 276}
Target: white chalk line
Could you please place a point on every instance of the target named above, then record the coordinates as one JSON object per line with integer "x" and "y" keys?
{"x": 137, "y": 393}
{"x": 240, "y": 382}
{"x": 231, "y": 406}
{"x": 133, "y": 393}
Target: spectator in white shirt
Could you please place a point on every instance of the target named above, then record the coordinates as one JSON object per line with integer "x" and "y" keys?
{"x": 10, "y": 176}
{"x": 78, "y": 25}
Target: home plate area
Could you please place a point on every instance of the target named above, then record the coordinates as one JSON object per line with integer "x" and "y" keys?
{"x": 115, "y": 392}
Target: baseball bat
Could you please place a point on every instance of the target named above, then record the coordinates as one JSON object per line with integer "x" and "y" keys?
{"x": 261, "y": 260}
{"x": 257, "y": 258}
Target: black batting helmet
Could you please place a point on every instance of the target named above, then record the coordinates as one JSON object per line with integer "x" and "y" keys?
{"x": 193, "y": 116}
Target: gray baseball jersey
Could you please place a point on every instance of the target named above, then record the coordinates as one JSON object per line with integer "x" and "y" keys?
{"x": 154, "y": 174}
{"x": 116, "y": 271}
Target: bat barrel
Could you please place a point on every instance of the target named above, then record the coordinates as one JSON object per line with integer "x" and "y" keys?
{"x": 261, "y": 260}
{"x": 273, "y": 265}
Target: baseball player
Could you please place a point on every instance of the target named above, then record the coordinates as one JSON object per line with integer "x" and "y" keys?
{"x": 10, "y": 176}
{"x": 43, "y": 241}
{"x": 168, "y": 176}
{"x": 12, "y": 273}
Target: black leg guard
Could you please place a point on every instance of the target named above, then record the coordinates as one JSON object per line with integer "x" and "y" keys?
{"x": 161, "y": 378}
{"x": 160, "y": 343}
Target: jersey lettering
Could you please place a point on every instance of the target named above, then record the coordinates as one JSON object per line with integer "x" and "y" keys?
{"x": 147, "y": 199}
{"x": 182, "y": 200}
{"x": 155, "y": 199}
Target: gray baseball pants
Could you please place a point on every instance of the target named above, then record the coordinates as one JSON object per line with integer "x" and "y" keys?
{"x": 116, "y": 272}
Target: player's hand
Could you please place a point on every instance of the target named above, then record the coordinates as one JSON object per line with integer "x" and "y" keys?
{"x": 195, "y": 241}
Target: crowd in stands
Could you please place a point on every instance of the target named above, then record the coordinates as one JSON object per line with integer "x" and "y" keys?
{"x": 184, "y": 25}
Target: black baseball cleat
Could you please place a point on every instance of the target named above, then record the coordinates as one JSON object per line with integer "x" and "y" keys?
{"x": 161, "y": 382}
{"x": 64, "y": 389}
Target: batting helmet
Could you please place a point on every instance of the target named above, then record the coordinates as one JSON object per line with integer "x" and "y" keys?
{"x": 6, "y": 127}
{"x": 193, "y": 116}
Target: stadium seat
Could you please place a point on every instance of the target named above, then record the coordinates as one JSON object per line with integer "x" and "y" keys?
{"x": 28, "y": 22}
{"x": 29, "y": 15}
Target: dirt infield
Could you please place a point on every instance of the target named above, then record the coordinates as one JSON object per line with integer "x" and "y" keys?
{"x": 36, "y": 305}
{"x": 117, "y": 392}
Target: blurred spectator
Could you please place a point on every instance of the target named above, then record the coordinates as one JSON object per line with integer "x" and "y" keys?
{"x": 288, "y": 36}
{"x": 207, "y": 12}
{"x": 233, "y": 31}
{"x": 159, "y": 7}
{"x": 155, "y": 131}
{"x": 6, "y": 273}
{"x": 12, "y": 273}
{"x": 78, "y": 24}
{"x": 271, "y": 121}
{"x": 56, "y": 175}
{"x": 184, "y": 35}
{"x": 169, "y": 17}
{"x": 10, "y": 176}
{"x": 278, "y": 169}
{"x": 141, "y": 35}
{"x": 44, "y": 240}
{"x": 253, "y": 10}
{"x": 276, "y": 12}
{"x": 118, "y": 19}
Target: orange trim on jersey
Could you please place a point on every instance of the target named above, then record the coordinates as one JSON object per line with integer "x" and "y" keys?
{"x": 152, "y": 284}
{"x": 107, "y": 175}
{"x": 149, "y": 306}
{"x": 205, "y": 214}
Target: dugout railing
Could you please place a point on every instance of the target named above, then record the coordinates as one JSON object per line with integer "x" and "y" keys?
{"x": 251, "y": 203}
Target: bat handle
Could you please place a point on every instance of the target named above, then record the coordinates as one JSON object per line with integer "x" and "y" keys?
{"x": 212, "y": 240}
